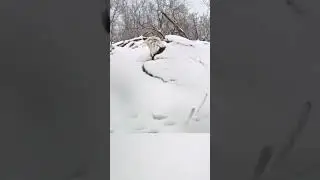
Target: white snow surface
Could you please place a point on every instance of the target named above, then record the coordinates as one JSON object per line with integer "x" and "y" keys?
{"x": 184, "y": 156}
{"x": 144, "y": 104}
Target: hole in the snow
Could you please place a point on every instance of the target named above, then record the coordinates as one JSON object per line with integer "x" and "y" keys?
{"x": 159, "y": 116}
{"x": 153, "y": 131}
{"x": 161, "y": 49}
{"x": 155, "y": 46}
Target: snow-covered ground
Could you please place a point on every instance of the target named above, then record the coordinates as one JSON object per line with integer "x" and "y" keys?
{"x": 184, "y": 156}
{"x": 163, "y": 103}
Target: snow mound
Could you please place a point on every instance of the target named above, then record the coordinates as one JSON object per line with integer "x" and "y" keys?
{"x": 168, "y": 94}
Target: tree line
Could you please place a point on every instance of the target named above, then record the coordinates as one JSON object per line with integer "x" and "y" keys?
{"x": 132, "y": 18}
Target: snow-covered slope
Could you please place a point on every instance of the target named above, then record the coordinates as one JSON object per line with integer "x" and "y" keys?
{"x": 184, "y": 156}
{"x": 159, "y": 95}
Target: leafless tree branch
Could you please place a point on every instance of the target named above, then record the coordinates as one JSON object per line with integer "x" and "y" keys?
{"x": 175, "y": 24}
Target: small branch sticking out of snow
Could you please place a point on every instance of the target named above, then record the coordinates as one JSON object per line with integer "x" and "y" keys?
{"x": 192, "y": 112}
{"x": 202, "y": 103}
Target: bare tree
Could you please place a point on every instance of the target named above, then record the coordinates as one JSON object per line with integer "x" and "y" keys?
{"x": 206, "y": 3}
{"x": 132, "y": 18}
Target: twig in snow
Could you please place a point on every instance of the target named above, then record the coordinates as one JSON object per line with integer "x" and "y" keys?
{"x": 199, "y": 107}
{"x": 202, "y": 103}
{"x": 191, "y": 114}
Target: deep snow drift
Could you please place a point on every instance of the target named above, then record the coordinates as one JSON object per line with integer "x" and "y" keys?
{"x": 168, "y": 94}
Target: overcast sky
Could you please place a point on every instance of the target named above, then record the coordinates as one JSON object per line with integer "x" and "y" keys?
{"x": 197, "y": 6}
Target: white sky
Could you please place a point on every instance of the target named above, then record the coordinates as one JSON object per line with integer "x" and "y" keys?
{"x": 197, "y": 6}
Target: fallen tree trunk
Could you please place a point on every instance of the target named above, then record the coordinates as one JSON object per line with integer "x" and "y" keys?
{"x": 175, "y": 25}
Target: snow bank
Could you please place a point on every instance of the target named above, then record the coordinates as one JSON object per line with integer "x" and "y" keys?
{"x": 158, "y": 96}
{"x": 160, "y": 157}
